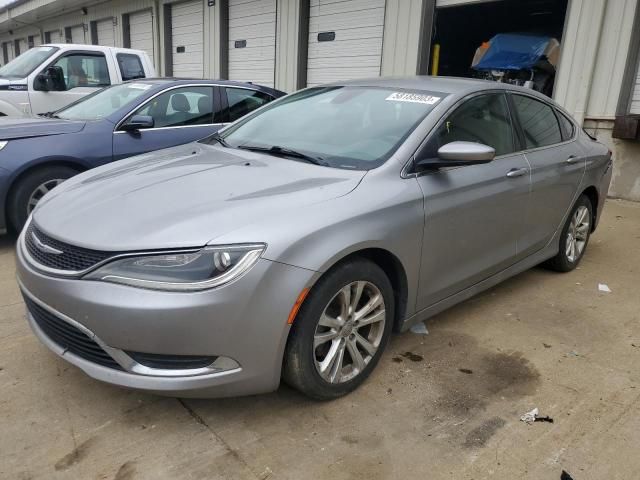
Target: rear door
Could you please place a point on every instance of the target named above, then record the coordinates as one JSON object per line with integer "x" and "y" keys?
{"x": 557, "y": 167}
{"x": 474, "y": 215}
{"x": 181, "y": 115}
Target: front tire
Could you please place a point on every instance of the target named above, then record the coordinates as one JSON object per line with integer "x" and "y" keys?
{"x": 574, "y": 237}
{"x": 340, "y": 331}
{"x": 30, "y": 189}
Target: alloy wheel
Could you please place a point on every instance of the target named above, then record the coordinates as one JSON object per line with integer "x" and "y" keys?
{"x": 349, "y": 332}
{"x": 41, "y": 191}
{"x": 578, "y": 234}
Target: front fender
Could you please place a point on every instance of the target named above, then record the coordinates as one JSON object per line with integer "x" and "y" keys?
{"x": 380, "y": 213}
{"x": 11, "y": 110}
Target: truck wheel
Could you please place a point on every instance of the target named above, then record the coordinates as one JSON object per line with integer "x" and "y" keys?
{"x": 27, "y": 193}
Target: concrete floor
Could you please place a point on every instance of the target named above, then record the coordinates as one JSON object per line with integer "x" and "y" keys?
{"x": 541, "y": 339}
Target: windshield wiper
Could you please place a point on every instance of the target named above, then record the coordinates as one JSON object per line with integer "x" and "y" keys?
{"x": 287, "y": 152}
{"x": 217, "y": 138}
{"x": 48, "y": 115}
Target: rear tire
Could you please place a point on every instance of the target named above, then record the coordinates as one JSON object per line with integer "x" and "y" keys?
{"x": 574, "y": 237}
{"x": 340, "y": 331}
{"x": 30, "y": 189}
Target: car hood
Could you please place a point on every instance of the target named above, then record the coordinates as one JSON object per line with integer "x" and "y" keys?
{"x": 184, "y": 197}
{"x": 12, "y": 128}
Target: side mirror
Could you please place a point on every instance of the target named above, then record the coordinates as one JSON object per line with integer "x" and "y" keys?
{"x": 458, "y": 154}
{"x": 138, "y": 122}
{"x": 51, "y": 79}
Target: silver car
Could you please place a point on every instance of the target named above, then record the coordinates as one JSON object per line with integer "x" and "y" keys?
{"x": 291, "y": 244}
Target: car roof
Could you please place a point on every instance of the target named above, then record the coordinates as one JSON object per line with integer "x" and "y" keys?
{"x": 456, "y": 86}
{"x": 164, "y": 81}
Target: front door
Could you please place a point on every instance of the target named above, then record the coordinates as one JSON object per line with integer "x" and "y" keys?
{"x": 474, "y": 215}
{"x": 181, "y": 115}
{"x": 557, "y": 166}
{"x": 83, "y": 73}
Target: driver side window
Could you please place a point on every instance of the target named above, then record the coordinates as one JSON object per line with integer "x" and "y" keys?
{"x": 83, "y": 70}
{"x": 180, "y": 107}
{"x": 483, "y": 119}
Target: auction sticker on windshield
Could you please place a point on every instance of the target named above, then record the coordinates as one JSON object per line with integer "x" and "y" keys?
{"x": 412, "y": 97}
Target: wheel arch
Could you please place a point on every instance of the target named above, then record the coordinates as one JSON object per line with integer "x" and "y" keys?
{"x": 591, "y": 193}
{"x": 33, "y": 167}
{"x": 392, "y": 267}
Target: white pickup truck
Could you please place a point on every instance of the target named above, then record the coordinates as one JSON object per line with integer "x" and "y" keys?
{"x": 49, "y": 77}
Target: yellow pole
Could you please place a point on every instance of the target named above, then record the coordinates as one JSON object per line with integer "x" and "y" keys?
{"x": 435, "y": 63}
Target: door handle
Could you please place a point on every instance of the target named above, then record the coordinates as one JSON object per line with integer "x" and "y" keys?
{"x": 517, "y": 172}
{"x": 573, "y": 159}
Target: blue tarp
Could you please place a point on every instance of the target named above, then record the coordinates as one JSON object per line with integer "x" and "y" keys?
{"x": 512, "y": 51}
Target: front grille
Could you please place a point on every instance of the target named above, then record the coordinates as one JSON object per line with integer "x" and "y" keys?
{"x": 171, "y": 362}
{"x": 69, "y": 337}
{"x": 72, "y": 258}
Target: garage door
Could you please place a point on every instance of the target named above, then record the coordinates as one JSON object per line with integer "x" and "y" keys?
{"x": 36, "y": 40}
{"x": 345, "y": 40}
{"x": 23, "y": 46}
{"x": 252, "y": 41}
{"x": 141, "y": 32}
{"x": 77, "y": 34}
{"x": 8, "y": 51}
{"x": 187, "y": 19}
{"x": 106, "y": 32}
{"x": 54, "y": 36}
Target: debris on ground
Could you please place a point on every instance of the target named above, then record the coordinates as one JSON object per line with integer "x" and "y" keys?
{"x": 414, "y": 357}
{"x": 534, "y": 416}
{"x": 546, "y": 345}
{"x": 603, "y": 287}
{"x": 573, "y": 353}
{"x": 565, "y": 476}
{"x": 420, "y": 328}
{"x": 465, "y": 370}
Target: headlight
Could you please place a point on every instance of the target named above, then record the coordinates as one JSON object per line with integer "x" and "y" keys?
{"x": 181, "y": 271}
{"x": 3, "y": 144}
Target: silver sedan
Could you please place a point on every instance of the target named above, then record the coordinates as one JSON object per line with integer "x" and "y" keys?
{"x": 290, "y": 245}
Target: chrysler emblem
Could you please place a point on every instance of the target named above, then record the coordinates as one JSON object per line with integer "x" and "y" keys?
{"x": 43, "y": 247}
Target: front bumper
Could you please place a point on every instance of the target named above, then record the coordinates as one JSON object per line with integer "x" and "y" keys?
{"x": 243, "y": 324}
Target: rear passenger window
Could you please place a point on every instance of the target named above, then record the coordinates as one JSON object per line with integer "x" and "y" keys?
{"x": 242, "y": 101}
{"x": 483, "y": 119}
{"x": 130, "y": 66}
{"x": 539, "y": 123}
{"x": 566, "y": 126}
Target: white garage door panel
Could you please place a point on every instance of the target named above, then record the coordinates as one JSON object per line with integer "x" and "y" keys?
{"x": 255, "y": 22}
{"x": 77, "y": 34}
{"x": 23, "y": 45}
{"x": 55, "y": 37}
{"x": 106, "y": 33}
{"x": 356, "y": 50}
{"x": 347, "y": 21}
{"x": 141, "y": 32}
{"x": 36, "y": 40}
{"x": 187, "y": 31}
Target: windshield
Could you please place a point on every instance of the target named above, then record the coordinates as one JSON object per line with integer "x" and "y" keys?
{"x": 26, "y": 63}
{"x": 343, "y": 127}
{"x": 104, "y": 102}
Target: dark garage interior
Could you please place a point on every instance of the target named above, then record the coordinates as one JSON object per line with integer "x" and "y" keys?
{"x": 461, "y": 30}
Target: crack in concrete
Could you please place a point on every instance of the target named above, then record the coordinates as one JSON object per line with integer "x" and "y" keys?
{"x": 230, "y": 450}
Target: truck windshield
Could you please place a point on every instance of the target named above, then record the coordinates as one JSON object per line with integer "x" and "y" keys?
{"x": 104, "y": 102}
{"x": 23, "y": 65}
